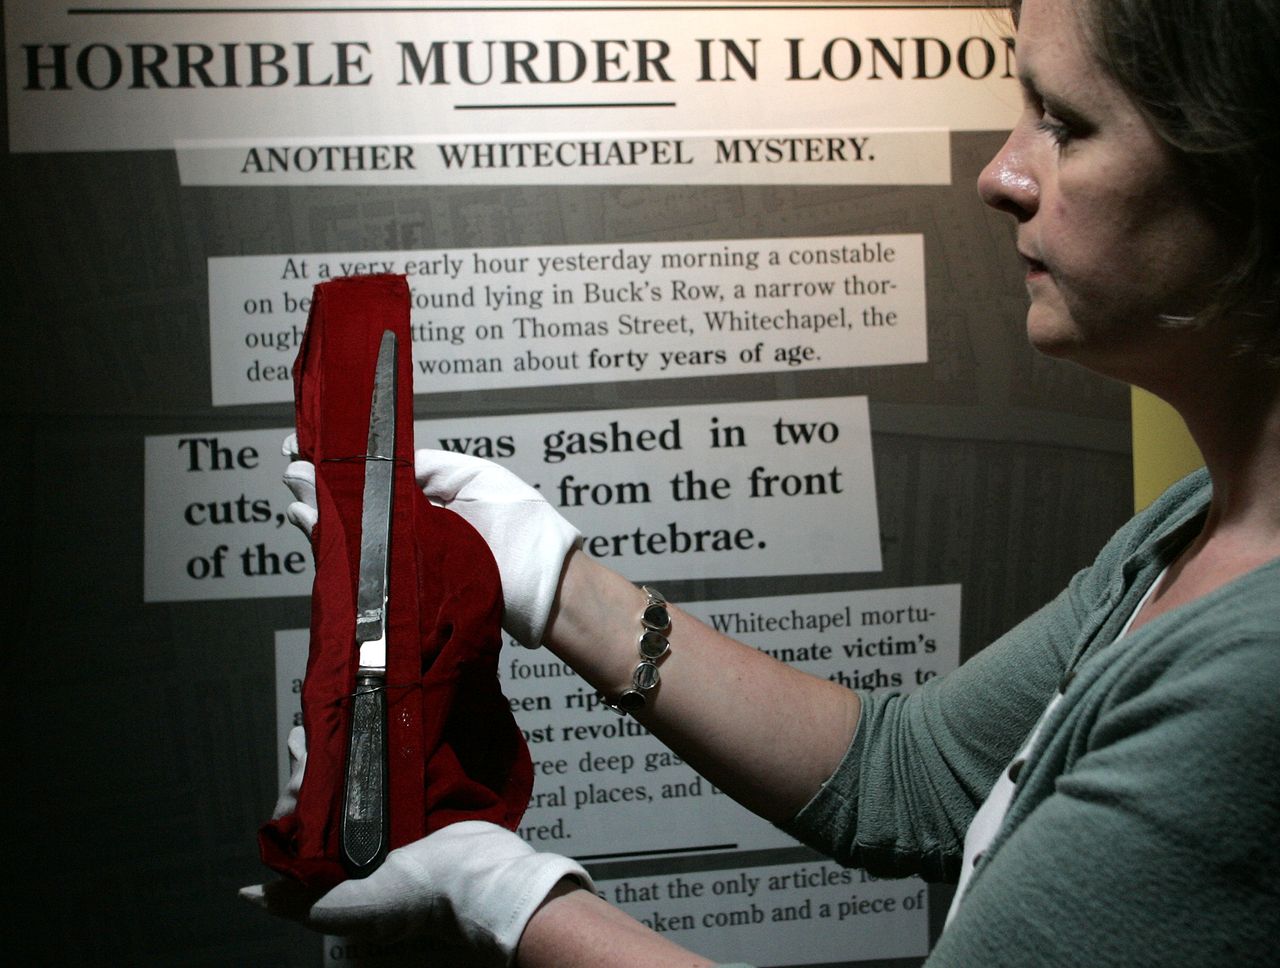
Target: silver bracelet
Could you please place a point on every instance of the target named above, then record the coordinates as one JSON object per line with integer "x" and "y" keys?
{"x": 655, "y": 622}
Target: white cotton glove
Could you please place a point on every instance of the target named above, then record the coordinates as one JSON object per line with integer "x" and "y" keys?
{"x": 288, "y": 800}
{"x": 300, "y": 479}
{"x": 528, "y": 537}
{"x": 473, "y": 883}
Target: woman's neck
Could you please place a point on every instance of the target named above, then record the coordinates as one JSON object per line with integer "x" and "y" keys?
{"x": 1233, "y": 414}
{"x": 1234, "y": 417}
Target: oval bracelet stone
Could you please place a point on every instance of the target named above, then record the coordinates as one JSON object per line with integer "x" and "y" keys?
{"x": 653, "y": 645}
{"x": 655, "y": 621}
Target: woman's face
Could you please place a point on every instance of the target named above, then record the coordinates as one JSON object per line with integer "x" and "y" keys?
{"x": 1108, "y": 231}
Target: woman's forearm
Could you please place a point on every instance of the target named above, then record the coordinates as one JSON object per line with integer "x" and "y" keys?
{"x": 763, "y": 732}
{"x": 576, "y": 929}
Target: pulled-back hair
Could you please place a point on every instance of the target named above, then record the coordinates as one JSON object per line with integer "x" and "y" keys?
{"x": 1206, "y": 74}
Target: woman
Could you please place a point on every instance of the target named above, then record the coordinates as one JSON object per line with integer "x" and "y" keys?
{"x": 1125, "y": 738}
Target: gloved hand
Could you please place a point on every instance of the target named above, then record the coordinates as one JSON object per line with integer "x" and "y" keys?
{"x": 528, "y": 537}
{"x": 473, "y": 884}
{"x": 288, "y": 800}
{"x": 300, "y": 478}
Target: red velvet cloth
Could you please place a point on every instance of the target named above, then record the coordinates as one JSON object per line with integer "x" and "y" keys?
{"x": 454, "y": 750}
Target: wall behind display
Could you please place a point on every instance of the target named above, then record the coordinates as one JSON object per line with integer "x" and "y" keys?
{"x": 1163, "y": 450}
{"x": 141, "y": 747}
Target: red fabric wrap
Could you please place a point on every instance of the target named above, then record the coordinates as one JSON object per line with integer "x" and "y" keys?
{"x": 454, "y": 750}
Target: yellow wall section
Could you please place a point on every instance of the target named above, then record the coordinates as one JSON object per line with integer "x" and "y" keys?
{"x": 1162, "y": 449}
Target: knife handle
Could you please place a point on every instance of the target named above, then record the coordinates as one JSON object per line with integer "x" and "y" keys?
{"x": 364, "y": 808}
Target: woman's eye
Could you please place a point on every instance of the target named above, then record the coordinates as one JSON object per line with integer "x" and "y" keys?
{"x": 1055, "y": 129}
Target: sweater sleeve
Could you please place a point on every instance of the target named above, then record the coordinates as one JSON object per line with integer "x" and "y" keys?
{"x": 1158, "y": 846}
{"x": 919, "y": 766}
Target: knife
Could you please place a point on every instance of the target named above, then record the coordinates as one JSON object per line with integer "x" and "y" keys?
{"x": 364, "y": 829}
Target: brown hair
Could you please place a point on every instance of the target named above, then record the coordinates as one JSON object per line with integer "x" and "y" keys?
{"x": 1206, "y": 74}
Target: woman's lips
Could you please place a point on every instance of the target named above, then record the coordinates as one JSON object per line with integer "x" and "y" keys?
{"x": 1035, "y": 267}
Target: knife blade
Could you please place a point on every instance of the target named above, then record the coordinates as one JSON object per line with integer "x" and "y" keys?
{"x": 364, "y": 829}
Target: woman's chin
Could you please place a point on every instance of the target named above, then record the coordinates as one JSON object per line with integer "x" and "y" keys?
{"x": 1051, "y": 333}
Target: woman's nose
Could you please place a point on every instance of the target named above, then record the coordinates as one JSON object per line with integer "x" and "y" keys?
{"x": 1006, "y": 183}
